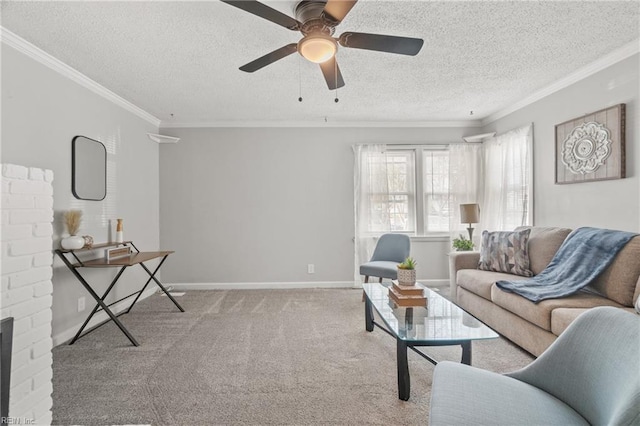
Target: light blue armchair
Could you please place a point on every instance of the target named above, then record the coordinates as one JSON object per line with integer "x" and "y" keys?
{"x": 589, "y": 375}
{"x": 390, "y": 250}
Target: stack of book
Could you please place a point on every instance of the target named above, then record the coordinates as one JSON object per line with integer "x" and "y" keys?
{"x": 407, "y": 295}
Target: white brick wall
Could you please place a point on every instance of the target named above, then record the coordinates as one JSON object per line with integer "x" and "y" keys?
{"x": 26, "y": 243}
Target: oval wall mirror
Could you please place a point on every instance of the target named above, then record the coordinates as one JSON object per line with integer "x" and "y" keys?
{"x": 88, "y": 169}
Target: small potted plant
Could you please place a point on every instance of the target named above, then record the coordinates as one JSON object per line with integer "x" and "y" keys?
{"x": 462, "y": 244}
{"x": 407, "y": 272}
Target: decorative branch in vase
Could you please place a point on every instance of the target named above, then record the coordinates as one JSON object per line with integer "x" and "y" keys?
{"x": 72, "y": 220}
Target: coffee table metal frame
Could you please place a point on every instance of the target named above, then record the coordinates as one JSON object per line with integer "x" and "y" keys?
{"x": 402, "y": 344}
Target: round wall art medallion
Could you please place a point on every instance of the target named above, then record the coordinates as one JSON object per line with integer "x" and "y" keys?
{"x": 586, "y": 148}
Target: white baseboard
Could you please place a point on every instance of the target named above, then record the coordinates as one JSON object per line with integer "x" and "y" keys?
{"x": 261, "y": 286}
{"x": 68, "y": 334}
{"x": 282, "y": 285}
{"x": 435, "y": 283}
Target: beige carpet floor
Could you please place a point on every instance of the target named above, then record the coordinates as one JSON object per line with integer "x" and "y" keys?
{"x": 250, "y": 357}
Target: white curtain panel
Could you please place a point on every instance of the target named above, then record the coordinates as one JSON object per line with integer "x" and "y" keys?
{"x": 370, "y": 177}
{"x": 496, "y": 174}
{"x": 507, "y": 200}
{"x": 465, "y": 185}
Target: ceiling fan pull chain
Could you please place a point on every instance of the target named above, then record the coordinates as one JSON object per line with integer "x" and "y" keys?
{"x": 299, "y": 82}
{"x": 335, "y": 74}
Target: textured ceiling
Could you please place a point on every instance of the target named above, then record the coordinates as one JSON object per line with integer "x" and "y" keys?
{"x": 182, "y": 58}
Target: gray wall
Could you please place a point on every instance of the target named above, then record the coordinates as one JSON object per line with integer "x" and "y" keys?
{"x": 41, "y": 112}
{"x": 280, "y": 198}
{"x": 259, "y": 204}
{"x": 610, "y": 204}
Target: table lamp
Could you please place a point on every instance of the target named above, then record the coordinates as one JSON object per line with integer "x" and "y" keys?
{"x": 469, "y": 213}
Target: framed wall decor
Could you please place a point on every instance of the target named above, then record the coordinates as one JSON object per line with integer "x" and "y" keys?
{"x": 591, "y": 147}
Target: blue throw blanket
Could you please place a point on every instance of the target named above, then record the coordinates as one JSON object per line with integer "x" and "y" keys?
{"x": 584, "y": 255}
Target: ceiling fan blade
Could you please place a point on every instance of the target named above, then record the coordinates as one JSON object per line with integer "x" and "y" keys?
{"x": 264, "y": 11}
{"x": 382, "y": 43}
{"x": 270, "y": 58}
{"x": 336, "y": 10}
{"x": 334, "y": 79}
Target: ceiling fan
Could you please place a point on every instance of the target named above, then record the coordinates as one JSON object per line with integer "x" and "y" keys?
{"x": 317, "y": 21}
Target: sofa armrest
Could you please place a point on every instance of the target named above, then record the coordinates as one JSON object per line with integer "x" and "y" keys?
{"x": 464, "y": 260}
{"x": 460, "y": 260}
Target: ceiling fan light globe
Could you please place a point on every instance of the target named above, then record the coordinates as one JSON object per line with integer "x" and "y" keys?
{"x": 317, "y": 49}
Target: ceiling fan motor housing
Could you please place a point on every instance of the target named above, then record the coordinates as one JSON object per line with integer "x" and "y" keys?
{"x": 309, "y": 12}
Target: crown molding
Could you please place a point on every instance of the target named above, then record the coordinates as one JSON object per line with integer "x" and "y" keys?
{"x": 606, "y": 61}
{"x": 39, "y": 55}
{"x": 478, "y": 138}
{"x": 162, "y": 138}
{"x": 461, "y": 123}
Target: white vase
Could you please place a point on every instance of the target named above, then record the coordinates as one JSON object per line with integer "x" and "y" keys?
{"x": 73, "y": 242}
{"x": 406, "y": 276}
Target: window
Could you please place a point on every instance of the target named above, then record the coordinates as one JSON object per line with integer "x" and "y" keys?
{"x": 507, "y": 189}
{"x": 409, "y": 191}
{"x": 517, "y": 203}
{"x": 392, "y": 197}
{"x": 436, "y": 191}
{"x": 417, "y": 189}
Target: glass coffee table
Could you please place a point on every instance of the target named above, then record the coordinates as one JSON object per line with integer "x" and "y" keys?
{"x": 441, "y": 323}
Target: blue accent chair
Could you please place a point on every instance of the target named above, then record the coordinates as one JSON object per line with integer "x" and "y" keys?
{"x": 589, "y": 376}
{"x": 390, "y": 250}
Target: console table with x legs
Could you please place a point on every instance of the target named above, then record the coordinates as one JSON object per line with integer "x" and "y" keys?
{"x": 73, "y": 262}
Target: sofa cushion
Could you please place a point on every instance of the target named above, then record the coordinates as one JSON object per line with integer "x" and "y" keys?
{"x": 540, "y": 313}
{"x": 505, "y": 252}
{"x": 480, "y": 282}
{"x": 544, "y": 242}
{"x": 618, "y": 281}
{"x": 520, "y": 331}
{"x": 562, "y": 317}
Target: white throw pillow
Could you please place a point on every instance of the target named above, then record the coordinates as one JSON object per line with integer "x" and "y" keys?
{"x": 638, "y": 305}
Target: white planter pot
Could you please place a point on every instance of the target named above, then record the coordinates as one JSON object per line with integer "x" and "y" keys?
{"x": 74, "y": 242}
{"x": 407, "y": 276}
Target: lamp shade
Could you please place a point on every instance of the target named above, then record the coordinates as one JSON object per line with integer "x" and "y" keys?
{"x": 469, "y": 213}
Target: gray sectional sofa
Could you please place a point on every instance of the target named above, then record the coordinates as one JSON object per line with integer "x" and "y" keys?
{"x": 534, "y": 326}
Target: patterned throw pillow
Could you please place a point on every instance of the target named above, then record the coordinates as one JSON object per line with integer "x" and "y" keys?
{"x": 505, "y": 252}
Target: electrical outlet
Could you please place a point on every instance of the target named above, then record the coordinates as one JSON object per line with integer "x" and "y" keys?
{"x": 81, "y": 304}
{"x": 311, "y": 268}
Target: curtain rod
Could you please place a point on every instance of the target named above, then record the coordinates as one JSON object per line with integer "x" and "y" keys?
{"x": 414, "y": 146}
